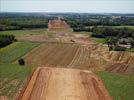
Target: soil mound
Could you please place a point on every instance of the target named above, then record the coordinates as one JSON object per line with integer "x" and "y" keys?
{"x": 57, "y": 23}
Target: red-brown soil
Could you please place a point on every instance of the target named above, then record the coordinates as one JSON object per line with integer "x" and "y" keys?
{"x": 57, "y": 23}
{"x": 64, "y": 84}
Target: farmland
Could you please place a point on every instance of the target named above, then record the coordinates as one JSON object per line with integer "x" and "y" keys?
{"x": 15, "y": 51}
{"x": 24, "y": 32}
{"x": 54, "y": 49}
{"x": 66, "y": 57}
{"x": 131, "y": 27}
{"x": 12, "y": 78}
{"x": 52, "y": 54}
{"x": 62, "y": 55}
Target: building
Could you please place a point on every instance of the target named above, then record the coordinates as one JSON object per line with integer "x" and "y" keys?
{"x": 125, "y": 42}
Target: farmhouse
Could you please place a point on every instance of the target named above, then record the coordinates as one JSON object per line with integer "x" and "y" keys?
{"x": 126, "y": 42}
{"x": 57, "y": 23}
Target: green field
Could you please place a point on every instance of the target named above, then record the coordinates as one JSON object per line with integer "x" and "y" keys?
{"x": 12, "y": 77}
{"x": 130, "y": 50}
{"x": 100, "y": 40}
{"x": 120, "y": 87}
{"x": 131, "y": 27}
{"x": 16, "y": 50}
{"x": 24, "y": 32}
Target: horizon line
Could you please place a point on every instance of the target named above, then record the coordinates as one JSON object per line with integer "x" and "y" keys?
{"x": 68, "y": 12}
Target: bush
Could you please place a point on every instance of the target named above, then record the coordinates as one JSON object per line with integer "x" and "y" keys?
{"x": 80, "y": 29}
{"x": 6, "y": 40}
{"x": 97, "y": 35}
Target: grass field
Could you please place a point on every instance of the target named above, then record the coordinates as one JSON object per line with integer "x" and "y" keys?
{"x": 131, "y": 27}
{"x": 100, "y": 40}
{"x": 127, "y": 26}
{"x": 12, "y": 77}
{"x": 120, "y": 87}
{"x": 15, "y": 50}
{"x": 130, "y": 50}
{"x": 24, "y": 32}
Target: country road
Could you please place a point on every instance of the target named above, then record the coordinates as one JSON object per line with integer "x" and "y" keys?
{"x": 64, "y": 84}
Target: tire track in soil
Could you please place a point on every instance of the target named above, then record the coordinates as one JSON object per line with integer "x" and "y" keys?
{"x": 68, "y": 57}
{"x": 94, "y": 87}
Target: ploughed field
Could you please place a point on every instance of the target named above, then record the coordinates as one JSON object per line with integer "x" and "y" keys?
{"x": 71, "y": 55}
{"x": 52, "y": 55}
{"x": 64, "y": 84}
{"x": 81, "y": 57}
{"x": 59, "y": 55}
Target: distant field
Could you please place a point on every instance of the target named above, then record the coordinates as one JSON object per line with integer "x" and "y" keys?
{"x": 100, "y": 40}
{"x": 132, "y": 27}
{"x": 12, "y": 77}
{"x": 15, "y": 50}
{"x": 120, "y": 87}
{"x": 24, "y": 32}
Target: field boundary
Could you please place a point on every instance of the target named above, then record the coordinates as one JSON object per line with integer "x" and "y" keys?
{"x": 24, "y": 87}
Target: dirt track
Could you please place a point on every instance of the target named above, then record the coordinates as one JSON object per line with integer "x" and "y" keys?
{"x": 64, "y": 84}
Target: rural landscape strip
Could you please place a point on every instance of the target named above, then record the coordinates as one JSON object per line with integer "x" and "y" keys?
{"x": 67, "y": 50}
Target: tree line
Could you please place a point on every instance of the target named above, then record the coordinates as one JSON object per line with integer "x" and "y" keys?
{"x": 6, "y": 40}
{"x": 17, "y": 23}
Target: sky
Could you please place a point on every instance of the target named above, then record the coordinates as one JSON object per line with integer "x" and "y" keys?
{"x": 78, "y": 6}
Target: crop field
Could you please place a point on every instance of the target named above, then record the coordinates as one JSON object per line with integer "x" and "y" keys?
{"x": 78, "y": 56}
{"x": 131, "y": 27}
{"x": 12, "y": 77}
{"x": 122, "y": 26}
{"x": 63, "y": 55}
{"x": 15, "y": 50}
{"x": 64, "y": 84}
{"x": 24, "y": 32}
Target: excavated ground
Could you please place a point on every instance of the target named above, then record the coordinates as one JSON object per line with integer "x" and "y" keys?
{"x": 64, "y": 84}
{"x": 116, "y": 61}
{"x": 92, "y": 56}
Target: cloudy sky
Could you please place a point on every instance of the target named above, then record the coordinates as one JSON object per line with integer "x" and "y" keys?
{"x": 81, "y": 6}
